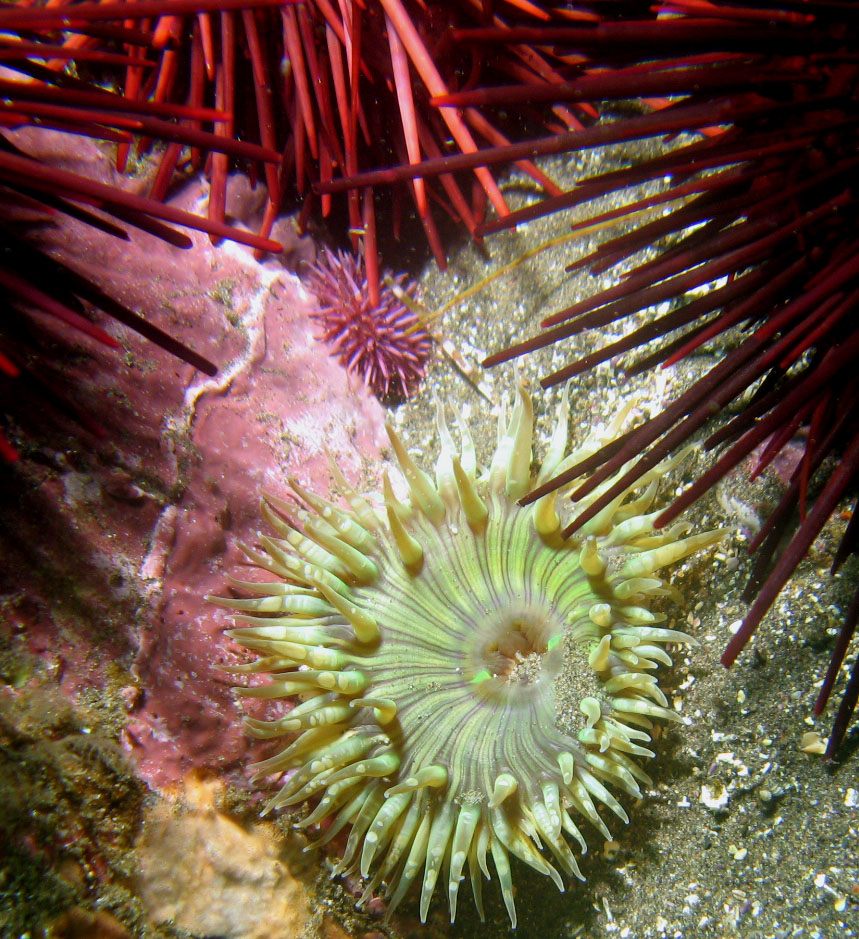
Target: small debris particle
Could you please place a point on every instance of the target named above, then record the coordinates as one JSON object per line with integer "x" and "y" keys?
{"x": 810, "y": 742}
{"x": 714, "y": 795}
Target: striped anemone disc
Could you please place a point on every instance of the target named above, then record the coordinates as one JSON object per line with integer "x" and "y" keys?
{"x": 421, "y": 644}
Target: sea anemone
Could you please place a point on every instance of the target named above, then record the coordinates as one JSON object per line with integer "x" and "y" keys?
{"x": 383, "y": 342}
{"x": 420, "y": 647}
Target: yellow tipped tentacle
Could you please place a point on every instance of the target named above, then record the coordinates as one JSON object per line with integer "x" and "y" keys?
{"x": 437, "y": 848}
{"x": 444, "y": 466}
{"x": 346, "y": 527}
{"x": 411, "y": 552}
{"x": 592, "y": 710}
{"x": 365, "y": 626}
{"x": 424, "y": 495}
{"x": 473, "y": 506}
{"x": 504, "y": 787}
{"x": 357, "y": 503}
{"x": 521, "y": 432}
{"x": 358, "y": 564}
{"x": 502, "y": 868}
{"x": 369, "y": 809}
{"x": 402, "y": 838}
{"x": 381, "y": 829}
{"x": 463, "y": 835}
{"x": 384, "y": 709}
{"x": 590, "y": 560}
{"x": 558, "y": 441}
{"x": 414, "y": 861}
{"x": 434, "y": 777}
{"x": 547, "y": 521}
{"x": 567, "y": 765}
{"x": 300, "y": 603}
{"x": 648, "y": 562}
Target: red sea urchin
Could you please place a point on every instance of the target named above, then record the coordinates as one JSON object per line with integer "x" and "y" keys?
{"x": 336, "y": 88}
{"x": 39, "y": 285}
{"x": 420, "y": 646}
{"x": 763, "y": 237}
{"x": 384, "y": 343}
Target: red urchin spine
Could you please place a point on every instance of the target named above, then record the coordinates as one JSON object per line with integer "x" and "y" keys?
{"x": 769, "y": 232}
{"x": 319, "y": 75}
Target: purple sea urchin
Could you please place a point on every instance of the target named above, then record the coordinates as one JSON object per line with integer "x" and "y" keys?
{"x": 384, "y": 342}
{"x": 421, "y": 647}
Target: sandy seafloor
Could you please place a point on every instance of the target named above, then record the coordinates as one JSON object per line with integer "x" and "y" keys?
{"x": 743, "y": 834}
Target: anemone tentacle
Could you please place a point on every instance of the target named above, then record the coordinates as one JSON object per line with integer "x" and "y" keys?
{"x": 421, "y": 644}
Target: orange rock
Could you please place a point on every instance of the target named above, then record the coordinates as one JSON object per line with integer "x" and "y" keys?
{"x": 210, "y": 875}
{"x": 78, "y": 923}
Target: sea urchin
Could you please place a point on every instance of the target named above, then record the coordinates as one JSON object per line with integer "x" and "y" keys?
{"x": 421, "y": 646}
{"x": 379, "y": 339}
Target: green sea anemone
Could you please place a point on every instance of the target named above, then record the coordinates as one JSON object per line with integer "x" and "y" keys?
{"x": 421, "y": 646}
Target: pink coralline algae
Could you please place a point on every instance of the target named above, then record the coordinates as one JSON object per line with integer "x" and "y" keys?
{"x": 110, "y": 545}
{"x": 384, "y": 343}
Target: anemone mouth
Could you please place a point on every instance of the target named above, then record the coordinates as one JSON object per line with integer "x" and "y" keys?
{"x": 514, "y": 649}
{"x": 420, "y": 646}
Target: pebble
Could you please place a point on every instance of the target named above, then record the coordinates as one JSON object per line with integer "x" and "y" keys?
{"x": 714, "y": 795}
{"x": 811, "y": 742}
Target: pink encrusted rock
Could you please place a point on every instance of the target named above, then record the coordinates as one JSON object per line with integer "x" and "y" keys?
{"x": 158, "y": 511}
{"x": 270, "y": 415}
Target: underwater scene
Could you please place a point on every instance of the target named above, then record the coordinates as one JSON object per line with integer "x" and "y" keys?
{"x": 429, "y": 447}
